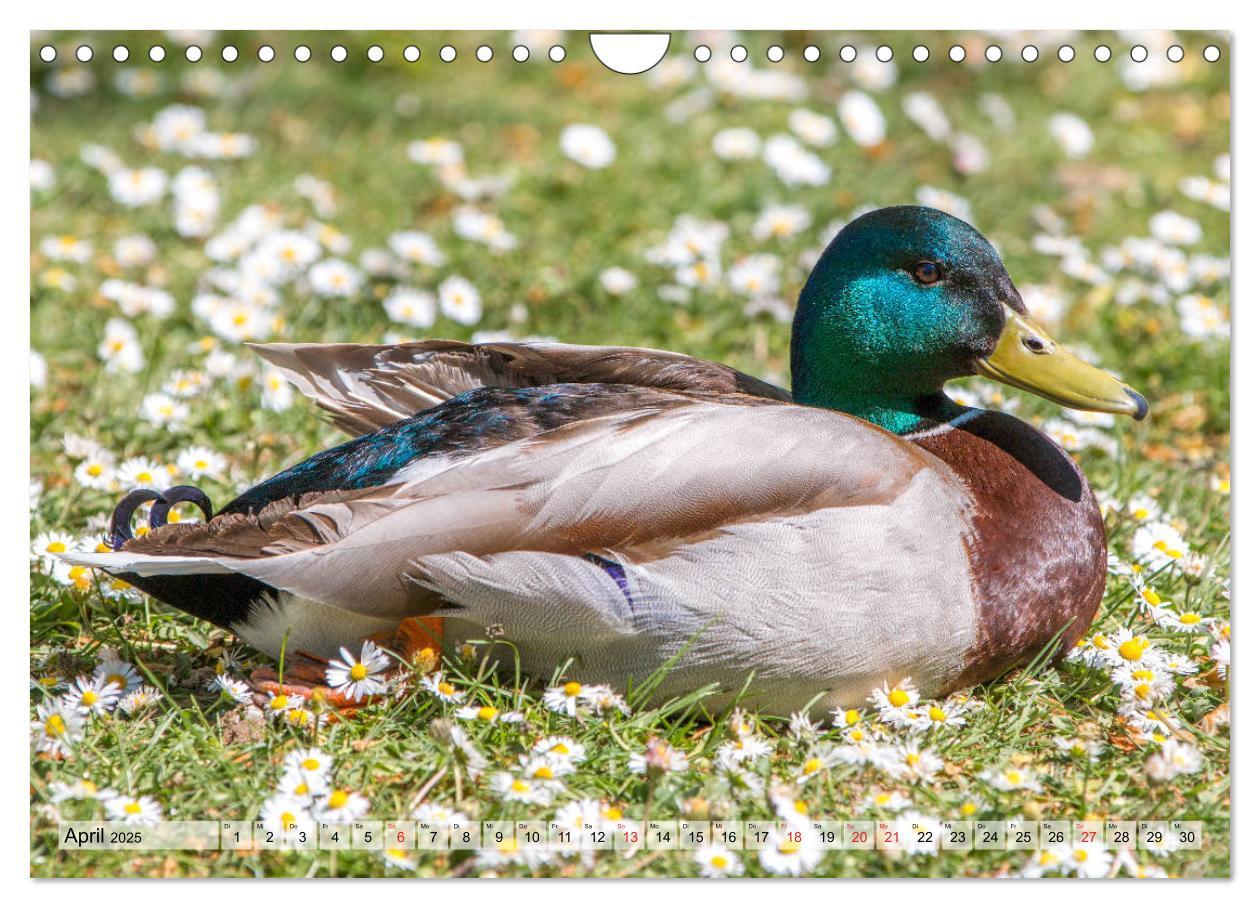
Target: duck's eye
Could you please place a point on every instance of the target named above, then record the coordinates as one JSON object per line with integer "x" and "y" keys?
{"x": 927, "y": 272}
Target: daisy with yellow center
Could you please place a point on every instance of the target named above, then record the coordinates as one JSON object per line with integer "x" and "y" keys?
{"x": 137, "y": 811}
{"x": 1011, "y": 778}
{"x": 564, "y": 698}
{"x": 359, "y": 678}
{"x": 560, "y": 749}
{"x": 440, "y": 687}
{"x": 488, "y": 714}
{"x": 93, "y": 696}
{"x": 281, "y": 703}
{"x": 523, "y": 789}
{"x": 716, "y": 861}
{"x": 896, "y": 702}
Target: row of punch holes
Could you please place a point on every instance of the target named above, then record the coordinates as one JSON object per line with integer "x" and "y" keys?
{"x": 703, "y": 54}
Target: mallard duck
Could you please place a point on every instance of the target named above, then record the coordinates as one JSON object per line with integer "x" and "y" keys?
{"x": 622, "y": 507}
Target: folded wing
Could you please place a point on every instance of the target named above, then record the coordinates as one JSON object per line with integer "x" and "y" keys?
{"x": 365, "y": 386}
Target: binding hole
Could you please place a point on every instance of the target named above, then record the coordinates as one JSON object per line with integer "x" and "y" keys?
{"x": 703, "y": 54}
{"x": 266, "y": 53}
{"x": 812, "y": 54}
{"x": 520, "y": 53}
{"x": 1176, "y": 54}
{"x": 883, "y": 53}
{"x": 229, "y": 54}
{"x": 48, "y": 53}
{"x": 557, "y": 53}
{"x": 302, "y": 53}
{"x": 485, "y": 53}
{"x": 157, "y": 53}
{"x": 774, "y": 53}
{"x": 1138, "y": 53}
{"x": 739, "y": 53}
{"x": 1102, "y": 53}
{"x": 375, "y": 53}
{"x": 920, "y": 53}
{"x": 1067, "y": 53}
{"x": 1030, "y": 53}
{"x": 339, "y": 54}
{"x": 1211, "y": 53}
{"x": 993, "y": 53}
{"x": 121, "y": 54}
{"x": 192, "y": 53}
{"x": 447, "y": 53}
{"x": 848, "y": 53}
{"x": 83, "y": 53}
{"x": 411, "y": 53}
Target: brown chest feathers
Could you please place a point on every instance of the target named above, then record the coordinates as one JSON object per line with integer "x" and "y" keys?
{"x": 1039, "y": 551}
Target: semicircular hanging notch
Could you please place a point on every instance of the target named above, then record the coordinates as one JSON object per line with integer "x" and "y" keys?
{"x": 629, "y": 53}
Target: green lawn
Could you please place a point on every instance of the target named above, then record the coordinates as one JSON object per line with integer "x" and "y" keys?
{"x": 349, "y": 125}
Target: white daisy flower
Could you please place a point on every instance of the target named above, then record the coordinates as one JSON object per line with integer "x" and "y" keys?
{"x": 589, "y": 145}
{"x": 134, "y": 811}
{"x": 780, "y": 221}
{"x": 120, "y": 348}
{"x": 459, "y": 300}
{"x": 79, "y": 790}
{"x": 436, "y": 151}
{"x": 359, "y": 678}
{"x": 1171, "y": 227}
{"x": 162, "y": 410}
{"x": 790, "y": 850}
{"x": 617, "y": 281}
{"x": 524, "y": 790}
{"x": 1011, "y": 778}
{"x": 489, "y": 714}
{"x": 341, "y": 806}
{"x": 43, "y": 177}
{"x": 862, "y": 118}
{"x": 408, "y": 306}
{"x": 736, "y": 144}
{"x": 92, "y": 696}
{"x": 134, "y": 250}
{"x": 136, "y": 472}
{"x": 112, "y": 670}
{"x": 138, "y": 187}
{"x": 282, "y": 812}
{"x": 66, "y": 248}
{"x": 139, "y": 699}
{"x": 280, "y": 704}
{"x": 560, "y": 748}
{"x": 716, "y": 861}
{"x": 812, "y": 128}
{"x": 416, "y": 247}
{"x": 1157, "y": 544}
{"x": 441, "y": 688}
{"x": 564, "y": 698}
{"x": 231, "y": 688}
{"x": 47, "y": 546}
{"x": 1173, "y": 759}
{"x": 56, "y": 728}
{"x": 1072, "y": 134}
{"x": 335, "y": 278}
{"x": 199, "y": 462}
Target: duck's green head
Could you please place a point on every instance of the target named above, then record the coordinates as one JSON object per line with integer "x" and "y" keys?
{"x": 907, "y": 298}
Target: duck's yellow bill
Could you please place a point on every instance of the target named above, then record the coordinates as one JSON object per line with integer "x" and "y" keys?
{"x": 1026, "y": 357}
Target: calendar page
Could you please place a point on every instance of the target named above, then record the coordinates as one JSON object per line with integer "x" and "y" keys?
{"x": 569, "y": 454}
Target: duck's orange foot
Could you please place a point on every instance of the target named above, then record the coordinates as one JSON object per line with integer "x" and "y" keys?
{"x": 304, "y": 677}
{"x": 417, "y": 640}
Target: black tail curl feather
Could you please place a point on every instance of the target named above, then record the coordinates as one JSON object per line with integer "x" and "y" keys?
{"x": 120, "y": 520}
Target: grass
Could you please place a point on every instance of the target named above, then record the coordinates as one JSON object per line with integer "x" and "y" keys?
{"x": 349, "y": 124}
